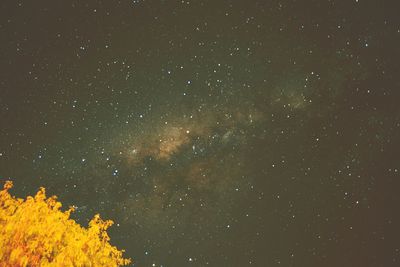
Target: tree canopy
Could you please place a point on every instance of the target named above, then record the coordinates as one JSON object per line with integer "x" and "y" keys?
{"x": 36, "y": 232}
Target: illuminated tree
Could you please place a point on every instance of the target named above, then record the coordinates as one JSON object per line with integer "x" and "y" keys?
{"x": 35, "y": 232}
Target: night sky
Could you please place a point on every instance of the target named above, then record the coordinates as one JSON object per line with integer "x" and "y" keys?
{"x": 213, "y": 133}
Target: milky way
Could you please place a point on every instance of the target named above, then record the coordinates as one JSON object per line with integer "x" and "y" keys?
{"x": 214, "y": 133}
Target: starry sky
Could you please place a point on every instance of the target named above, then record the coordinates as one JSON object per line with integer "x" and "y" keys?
{"x": 213, "y": 133}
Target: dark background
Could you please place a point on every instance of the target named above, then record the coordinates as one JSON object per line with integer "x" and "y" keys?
{"x": 214, "y": 133}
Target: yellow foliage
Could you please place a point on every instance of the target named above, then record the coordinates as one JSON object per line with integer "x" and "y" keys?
{"x": 35, "y": 232}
